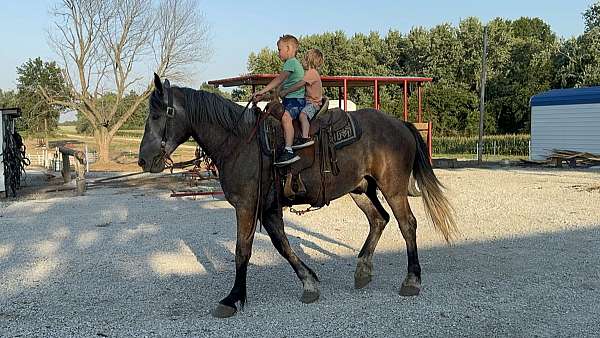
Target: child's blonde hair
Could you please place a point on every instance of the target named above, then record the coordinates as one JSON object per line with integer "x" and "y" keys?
{"x": 290, "y": 40}
{"x": 313, "y": 58}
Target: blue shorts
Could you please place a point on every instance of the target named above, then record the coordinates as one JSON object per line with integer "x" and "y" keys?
{"x": 310, "y": 110}
{"x": 294, "y": 106}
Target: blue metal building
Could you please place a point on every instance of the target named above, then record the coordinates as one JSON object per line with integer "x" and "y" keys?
{"x": 567, "y": 119}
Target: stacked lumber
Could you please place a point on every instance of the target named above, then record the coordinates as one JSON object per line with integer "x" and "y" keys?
{"x": 572, "y": 158}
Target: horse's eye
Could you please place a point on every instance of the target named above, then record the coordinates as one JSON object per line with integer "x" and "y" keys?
{"x": 155, "y": 116}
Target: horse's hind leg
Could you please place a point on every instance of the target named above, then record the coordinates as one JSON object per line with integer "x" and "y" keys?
{"x": 396, "y": 198}
{"x": 273, "y": 223}
{"x": 378, "y": 219}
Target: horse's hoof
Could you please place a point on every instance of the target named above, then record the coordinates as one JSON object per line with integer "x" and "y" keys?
{"x": 410, "y": 287}
{"x": 409, "y": 290}
{"x": 362, "y": 281}
{"x": 223, "y": 311}
{"x": 310, "y": 297}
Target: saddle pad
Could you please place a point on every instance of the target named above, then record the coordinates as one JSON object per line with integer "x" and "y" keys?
{"x": 349, "y": 133}
{"x": 343, "y": 134}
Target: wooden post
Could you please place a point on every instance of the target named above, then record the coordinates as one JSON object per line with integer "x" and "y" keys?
{"x": 87, "y": 161}
{"x": 66, "y": 168}
{"x": 80, "y": 180}
{"x": 79, "y": 165}
{"x": 46, "y": 141}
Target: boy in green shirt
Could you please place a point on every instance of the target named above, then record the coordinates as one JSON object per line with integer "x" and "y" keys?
{"x": 294, "y": 101}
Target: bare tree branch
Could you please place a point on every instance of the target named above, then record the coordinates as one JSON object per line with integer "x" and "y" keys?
{"x": 102, "y": 44}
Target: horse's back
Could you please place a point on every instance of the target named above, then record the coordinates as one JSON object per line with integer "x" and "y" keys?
{"x": 381, "y": 128}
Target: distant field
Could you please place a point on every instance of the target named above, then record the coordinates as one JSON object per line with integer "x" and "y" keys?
{"x": 125, "y": 133}
{"x": 131, "y": 133}
{"x": 123, "y": 149}
{"x": 68, "y": 129}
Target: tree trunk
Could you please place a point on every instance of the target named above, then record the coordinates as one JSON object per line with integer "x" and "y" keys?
{"x": 47, "y": 142}
{"x": 103, "y": 141}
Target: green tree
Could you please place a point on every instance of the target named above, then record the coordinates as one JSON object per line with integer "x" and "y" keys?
{"x": 568, "y": 63}
{"x": 8, "y": 99}
{"x": 524, "y": 57}
{"x": 591, "y": 17}
{"x": 266, "y": 61}
{"x": 445, "y": 55}
{"x": 577, "y": 60}
{"x": 520, "y": 68}
{"x": 589, "y": 44}
{"x": 470, "y": 35}
{"x": 39, "y": 117}
{"x": 212, "y": 89}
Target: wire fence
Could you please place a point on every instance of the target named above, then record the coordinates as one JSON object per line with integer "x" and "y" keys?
{"x": 53, "y": 160}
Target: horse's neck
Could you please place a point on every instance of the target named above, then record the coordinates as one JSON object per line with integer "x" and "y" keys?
{"x": 216, "y": 139}
{"x": 221, "y": 145}
{"x": 217, "y": 142}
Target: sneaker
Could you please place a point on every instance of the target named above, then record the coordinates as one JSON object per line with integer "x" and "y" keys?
{"x": 286, "y": 158}
{"x": 302, "y": 143}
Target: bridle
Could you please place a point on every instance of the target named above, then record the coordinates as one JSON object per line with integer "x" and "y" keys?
{"x": 170, "y": 114}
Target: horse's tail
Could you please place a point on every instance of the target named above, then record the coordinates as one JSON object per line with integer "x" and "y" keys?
{"x": 436, "y": 204}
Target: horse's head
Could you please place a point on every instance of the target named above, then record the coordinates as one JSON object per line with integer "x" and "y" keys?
{"x": 167, "y": 126}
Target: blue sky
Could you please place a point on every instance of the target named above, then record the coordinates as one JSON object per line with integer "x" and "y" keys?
{"x": 240, "y": 27}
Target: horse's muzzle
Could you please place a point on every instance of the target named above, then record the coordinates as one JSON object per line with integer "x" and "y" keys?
{"x": 156, "y": 166}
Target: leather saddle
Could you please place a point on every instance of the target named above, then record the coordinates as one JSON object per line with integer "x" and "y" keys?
{"x": 330, "y": 129}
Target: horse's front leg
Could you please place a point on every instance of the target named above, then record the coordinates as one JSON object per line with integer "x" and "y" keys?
{"x": 273, "y": 223}
{"x": 243, "y": 249}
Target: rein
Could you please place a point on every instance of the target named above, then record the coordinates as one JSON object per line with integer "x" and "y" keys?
{"x": 237, "y": 123}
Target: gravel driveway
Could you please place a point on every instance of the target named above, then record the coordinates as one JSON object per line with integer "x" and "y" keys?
{"x": 135, "y": 262}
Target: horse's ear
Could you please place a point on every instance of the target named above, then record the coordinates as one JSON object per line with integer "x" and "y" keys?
{"x": 157, "y": 84}
{"x": 167, "y": 84}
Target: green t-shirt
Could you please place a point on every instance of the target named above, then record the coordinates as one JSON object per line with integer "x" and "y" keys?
{"x": 296, "y": 74}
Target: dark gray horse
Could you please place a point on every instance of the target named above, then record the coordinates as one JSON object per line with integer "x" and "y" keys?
{"x": 383, "y": 158}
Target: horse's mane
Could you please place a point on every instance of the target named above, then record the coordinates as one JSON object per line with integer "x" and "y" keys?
{"x": 205, "y": 107}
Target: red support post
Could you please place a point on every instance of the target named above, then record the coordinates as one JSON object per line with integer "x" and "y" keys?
{"x": 405, "y": 100}
{"x": 345, "y": 94}
{"x": 376, "y": 95}
{"x": 420, "y": 111}
{"x": 340, "y": 97}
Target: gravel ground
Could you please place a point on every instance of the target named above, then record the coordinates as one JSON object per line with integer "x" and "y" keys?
{"x": 135, "y": 262}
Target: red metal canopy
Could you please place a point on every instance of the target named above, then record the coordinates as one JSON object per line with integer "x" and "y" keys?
{"x": 342, "y": 82}
{"x": 328, "y": 81}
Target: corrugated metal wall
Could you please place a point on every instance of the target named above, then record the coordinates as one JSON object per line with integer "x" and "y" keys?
{"x": 571, "y": 127}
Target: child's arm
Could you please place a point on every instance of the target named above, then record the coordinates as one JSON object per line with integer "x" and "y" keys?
{"x": 273, "y": 84}
{"x": 293, "y": 88}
